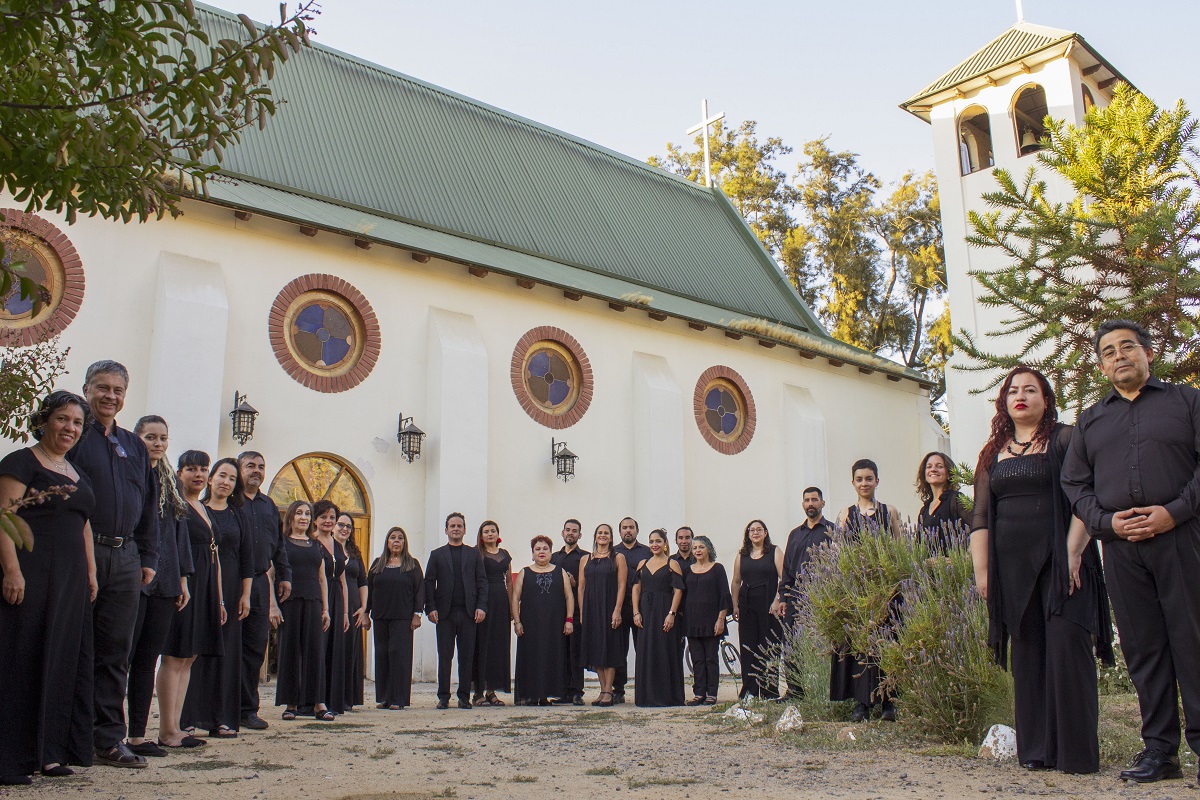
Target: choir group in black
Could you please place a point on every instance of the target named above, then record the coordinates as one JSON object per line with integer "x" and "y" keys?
{"x": 138, "y": 565}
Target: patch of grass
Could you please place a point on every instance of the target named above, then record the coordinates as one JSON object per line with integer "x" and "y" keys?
{"x": 262, "y": 765}
{"x": 354, "y": 749}
{"x": 1120, "y": 728}
{"x": 445, "y": 747}
{"x": 641, "y": 783}
{"x": 524, "y": 718}
{"x": 202, "y": 765}
{"x": 524, "y": 779}
{"x": 602, "y": 771}
{"x": 381, "y": 752}
{"x": 965, "y": 750}
{"x": 447, "y": 792}
{"x": 334, "y": 726}
{"x": 592, "y": 718}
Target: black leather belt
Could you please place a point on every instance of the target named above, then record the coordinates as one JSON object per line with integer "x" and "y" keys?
{"x": 110, "y": 541}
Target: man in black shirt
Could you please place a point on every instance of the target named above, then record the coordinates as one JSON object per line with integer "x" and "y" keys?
{"x": 683, "y": 544}
{"x": 125, "y": 535}
{"x": 635, "y": 553}
{"x": 456, "y": 598}
{"x": 272, "y": 578}
{"x": 1132, "y": 474}
{"x": 568, "y": 558}
{"x": 813, "y": 532}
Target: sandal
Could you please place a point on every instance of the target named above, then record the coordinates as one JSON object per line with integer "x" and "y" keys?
{"x": 289, "y": 714}
{"x": 120, "y": 756}
{"x": 491, "y": 699}
{"x": 223, "y": 732}
{"x": 324, "y": 715}
{"x": 605, "y": 703}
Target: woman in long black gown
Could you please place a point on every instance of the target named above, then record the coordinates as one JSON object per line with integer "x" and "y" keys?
{"x": 493, "y": 636}
{"x": 395, "y": 598}
{"x": 543, "y": 607}
{"x": 1023, "y": 530}
{"x": 196, "y": 629}
{"x": 213, "y": 699}
{"x": 945, "y": 512}
{"x": 325, "y": 516}
{"x": 756, "y": 574}
{"x": 706, "y": 601}
{"x": 45, "y": 621}
{"x": 305, "y": 613}
{"x": 602, "y": 579}
{"x": 658, "y": 676}
{"x": 356, "y": 597}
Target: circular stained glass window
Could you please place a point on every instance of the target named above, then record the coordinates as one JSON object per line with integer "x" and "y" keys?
{"x": 551, "y": 377}
{"x": 724, "y": 410}
{"x": 324, "y": 333}
{"x": 35, "y": 249}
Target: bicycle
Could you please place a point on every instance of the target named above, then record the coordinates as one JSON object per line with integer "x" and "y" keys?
{"x": 728, "y": 652}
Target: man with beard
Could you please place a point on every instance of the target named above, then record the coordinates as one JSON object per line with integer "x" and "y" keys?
{"x": 568, "y": 558}
{"x": 272, "y": 579}
{"x": 634, "y": 553}
{"x": 813, "y": 532}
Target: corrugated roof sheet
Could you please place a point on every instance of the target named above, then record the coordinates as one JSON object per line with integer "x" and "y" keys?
{"x": 1019, "y": 41}
{"x": 358, "y": 135}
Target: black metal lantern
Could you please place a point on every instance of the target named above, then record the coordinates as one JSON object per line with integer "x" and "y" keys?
{"x": 242, "y": 416}
{"x": 563, "y": 460}
{"x": 409, "y": 436}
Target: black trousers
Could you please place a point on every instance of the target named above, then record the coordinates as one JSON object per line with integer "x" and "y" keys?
{"x": 758, "y": 629}
{"x": 794, "y": 689}
{"x": 154, "y": 617}
{"x": 1055, "y": 694}
{"x": 256, "y": 631}
{"x": 627, "y": 630}
{"x": 1155, "y": 591}
{"x": 393, "y": 661}
{"x": 706, "y": 665}
{"x": 114, "y": 616}
{"x": 573, "y": 663}
{"x": 456, "y": 628}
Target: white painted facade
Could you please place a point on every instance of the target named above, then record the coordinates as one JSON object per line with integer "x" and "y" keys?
{"x": 1062, "y": 79}
{"x": 184, "y": 304}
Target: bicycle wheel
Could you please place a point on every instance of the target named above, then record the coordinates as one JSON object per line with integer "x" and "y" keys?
{"x": 729, "y": 655}
{"x": 687, "y": 657}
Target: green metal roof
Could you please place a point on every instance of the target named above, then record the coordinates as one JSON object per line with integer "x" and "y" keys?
{"x": 1021, "y": 41}
{"x": 408, "y": 163}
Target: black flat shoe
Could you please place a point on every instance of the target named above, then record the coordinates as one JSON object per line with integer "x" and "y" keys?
{"x": 443, "y": 705}
{"x": 577, "y": 700}
{"x": 254, "y": 722}
{"x": 860, "y": 713}
{"x": 888, "y": 713}
{"x": 1035, "y": 765}
{"x": 59, "y": 771}
{"x": 695, "y": 701}
{"x": 606, "y": 703}
{"x": 1151, "y": 766}
{"x": 147, "y": 748}
{"x": 15, "y": 780}
{"x": 618, "y": 698}
{"x": 464, "y": 704}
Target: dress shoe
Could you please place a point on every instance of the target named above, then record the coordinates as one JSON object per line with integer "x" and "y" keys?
{"x": 254, "y": 722}
{"x": 577, "y": 700}
{"x": 888, "y": 713}
{"x": 695, "y": 701}
{"x": 464, "y": 703}
{"x": 860, "y": 712}
{"x": 618, "y": 698}
{"x": 1035, "y": 764}
{"x": 1151, "y": 766}
{"x": 443, "y": 705}
{"x": 146, "y": 748}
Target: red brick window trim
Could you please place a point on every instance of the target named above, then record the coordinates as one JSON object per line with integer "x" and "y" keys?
{"x": 64, "y": 280}
{"x": 565, "y": 352}
{"x": 728, "y": 385}
{"x": 348, "y": 305}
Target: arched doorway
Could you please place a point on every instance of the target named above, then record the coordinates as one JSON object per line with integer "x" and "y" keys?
{"x": 319, "y": 476}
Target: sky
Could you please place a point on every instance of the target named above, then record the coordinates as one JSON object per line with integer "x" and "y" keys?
{"x": 630, "y": 75}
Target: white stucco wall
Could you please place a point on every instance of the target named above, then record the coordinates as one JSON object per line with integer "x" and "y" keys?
{"x": 447, "y": 343}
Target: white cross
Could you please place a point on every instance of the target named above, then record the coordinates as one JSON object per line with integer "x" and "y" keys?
{"x": 703, "y": 126}
{"x": 1020, "y": 12}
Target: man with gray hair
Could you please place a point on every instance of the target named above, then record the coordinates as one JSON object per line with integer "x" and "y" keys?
{"x": 125, "y": 535}
{"x": 1132, "y": 474}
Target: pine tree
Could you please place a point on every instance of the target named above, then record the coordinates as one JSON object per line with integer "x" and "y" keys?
{"x": 1125, "y": 247}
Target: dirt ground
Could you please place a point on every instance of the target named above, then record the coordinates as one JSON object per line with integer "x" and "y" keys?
{"x": 569, "y": 751}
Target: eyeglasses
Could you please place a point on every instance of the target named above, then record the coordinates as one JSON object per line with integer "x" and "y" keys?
{"x": 346, "y": 525}
{"x": 757, "y": 529}
{"x": 120, "y": 451}
{"x": 1126, "y": 349}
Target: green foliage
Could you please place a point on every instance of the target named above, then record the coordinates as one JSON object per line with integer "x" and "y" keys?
{"x": 26, "y": 374}
{"x": 1125, "y": 247}
{"x": 1115, "y": 680}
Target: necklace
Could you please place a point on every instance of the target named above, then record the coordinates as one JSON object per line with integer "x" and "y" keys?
{"x": 60, "y": 465}
{"x": 1024, "y": 447}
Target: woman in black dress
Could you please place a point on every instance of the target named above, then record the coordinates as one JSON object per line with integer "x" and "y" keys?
{"x": 395, "y": 597}
{"x": 493, "y": 636}
{"x": 543, "y": 610}
{"x": 602, "y": 579}
{"x": 196, "y": 628}
{"x": 356, "y": 597}
{"x": 706, "y": 601}
{"x": 756, "y": 574}
{"x": 657, "y": 593}
{"x": 301, "y": 681}
{"x": 1023, "y": 531}
{"x": 946, "y": 512}
{"x": 45, "y": 619}
{"x": 213, "y": 699}
{"x": 164, "y": 596}
{"x": 325, "y": 516}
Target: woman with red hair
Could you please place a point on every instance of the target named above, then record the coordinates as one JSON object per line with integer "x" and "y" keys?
{"x": 543, "y": 610}
{"x": 1019, "y": 543}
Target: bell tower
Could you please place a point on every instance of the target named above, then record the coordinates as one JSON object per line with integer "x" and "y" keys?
{"x": 988, "y": 112}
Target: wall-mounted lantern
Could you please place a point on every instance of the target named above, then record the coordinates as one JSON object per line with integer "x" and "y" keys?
{"x": 242, "y": 416}
{"x": 409, "y": 436}
{"x": 563, "y": 460}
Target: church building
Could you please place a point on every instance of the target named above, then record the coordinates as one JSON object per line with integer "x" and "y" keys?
{"x": 388, "y": 253}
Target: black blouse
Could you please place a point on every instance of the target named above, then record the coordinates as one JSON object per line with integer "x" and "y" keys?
{"x": 395, "y": 593}
{"x": 705, "y": 600}
{"x": 306, "y": 559}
